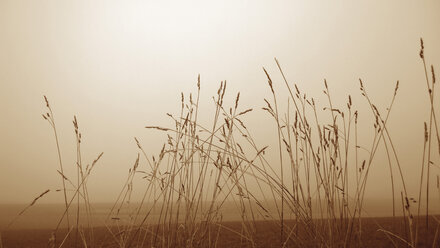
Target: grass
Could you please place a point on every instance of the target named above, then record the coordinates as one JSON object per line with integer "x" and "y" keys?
{"x": 313, "y": 196}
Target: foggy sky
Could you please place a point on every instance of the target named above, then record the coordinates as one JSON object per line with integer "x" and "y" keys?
{"x": 121, "y": 65}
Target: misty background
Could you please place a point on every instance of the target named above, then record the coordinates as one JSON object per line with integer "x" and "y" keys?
{"x": 121, "y": 66}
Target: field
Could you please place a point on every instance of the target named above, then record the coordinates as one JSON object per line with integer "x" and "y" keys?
{"x": 214, "y": 186}
{"x": 266, "y": 235}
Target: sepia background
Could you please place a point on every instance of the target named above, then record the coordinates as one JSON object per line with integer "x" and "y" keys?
{"x": 122, "y": 66}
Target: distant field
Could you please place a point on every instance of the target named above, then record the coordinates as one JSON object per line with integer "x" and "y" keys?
{"x": 46, "y": 216}
{"x": 34, "y": 229}
{"x": 266, "y": 235}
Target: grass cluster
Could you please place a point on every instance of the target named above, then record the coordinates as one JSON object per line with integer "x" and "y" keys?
{"x": 313, "y": 195}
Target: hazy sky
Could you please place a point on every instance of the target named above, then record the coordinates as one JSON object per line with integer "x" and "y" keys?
{"x": 121, "y": 65}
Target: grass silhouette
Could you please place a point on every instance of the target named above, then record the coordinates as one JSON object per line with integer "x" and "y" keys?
{"x": 313, "y": 197}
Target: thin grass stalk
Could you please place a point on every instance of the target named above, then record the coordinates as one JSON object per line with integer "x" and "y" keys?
{"x": 51, "y": 119}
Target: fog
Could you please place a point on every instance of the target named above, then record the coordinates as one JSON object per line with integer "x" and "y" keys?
{"x": 120, "y": 66}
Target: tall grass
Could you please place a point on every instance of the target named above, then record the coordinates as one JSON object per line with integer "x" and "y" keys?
{"x": 314, "y": 195}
